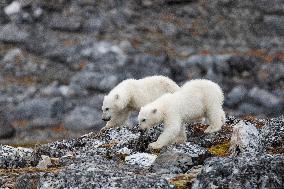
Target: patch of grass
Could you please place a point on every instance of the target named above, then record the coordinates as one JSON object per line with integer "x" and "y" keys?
{"x": 220, "y": 149}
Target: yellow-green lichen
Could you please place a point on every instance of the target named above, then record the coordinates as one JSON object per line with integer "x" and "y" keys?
{"x": 220, "y": 149}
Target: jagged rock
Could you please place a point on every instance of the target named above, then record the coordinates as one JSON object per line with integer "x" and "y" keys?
{"x": 236, "y": 95}
{"x": 83, "y": 117}
{"x": 65, "y": 22}
{"x": 12, "y": 8}
{"x": 140, "y": 159}
{"x": 11, "y": 157}
{"x": 13, "y": 34}
{"x": 6, "y": 130}
{"x": 27, "y": 181}
{"x": 13, "y": 56}
{"x": 179, "y": 158}
{"x": 272, "y": 135}
{"x": 100, "y": 173}
{"x": 39, "y": 108}
{"x": 101, "y": 81}
{"x": 250, "y": 109}
{"x": 265, "y": 98}
{"x": 248, "y": 171}
{"x": 245, "y": 139}
{"x": 275, "y": 24}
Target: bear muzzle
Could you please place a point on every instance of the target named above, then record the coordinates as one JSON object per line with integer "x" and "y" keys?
{"x": 106, "y": 118}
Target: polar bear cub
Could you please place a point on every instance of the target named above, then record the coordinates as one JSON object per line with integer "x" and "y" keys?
{"x": 131, "y": 95}
{"x": 196, "y": 99}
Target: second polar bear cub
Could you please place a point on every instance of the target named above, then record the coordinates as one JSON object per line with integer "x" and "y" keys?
{"x": 196, "y": 99}
{"x": 131, "y": 95}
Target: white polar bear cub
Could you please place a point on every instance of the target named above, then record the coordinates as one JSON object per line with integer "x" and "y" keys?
{"x": 196, "y": 99}
{"x": 131, "y": 95}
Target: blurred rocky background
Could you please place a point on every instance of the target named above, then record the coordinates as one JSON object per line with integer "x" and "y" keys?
{"x": 59, "y": 57}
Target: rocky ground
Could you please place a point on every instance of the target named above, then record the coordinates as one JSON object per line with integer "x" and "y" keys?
{"x": 246, "y": 153}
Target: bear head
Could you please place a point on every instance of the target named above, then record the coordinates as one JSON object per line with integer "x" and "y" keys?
{"x": 114, "y": 104}
{"x": 149, "y": 116}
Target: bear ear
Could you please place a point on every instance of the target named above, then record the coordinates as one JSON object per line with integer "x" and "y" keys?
{"x": 116, "y": 96}
{"x": 154, "y": 110}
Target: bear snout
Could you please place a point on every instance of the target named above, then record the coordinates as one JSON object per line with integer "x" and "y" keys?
{"x": 106, "y": 118}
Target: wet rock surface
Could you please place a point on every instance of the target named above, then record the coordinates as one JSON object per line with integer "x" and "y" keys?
{"x": 120, "y": 158}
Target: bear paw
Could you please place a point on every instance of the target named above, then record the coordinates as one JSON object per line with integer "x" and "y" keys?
{"x": 155, "y": 145}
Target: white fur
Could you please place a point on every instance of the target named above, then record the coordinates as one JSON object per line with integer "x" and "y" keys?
{"x": 131, "y": 95}
{"x": 195, "y": 100}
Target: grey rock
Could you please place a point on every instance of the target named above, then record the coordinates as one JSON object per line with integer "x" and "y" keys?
{"x": 265, "y": 98}
{"x": 275, "y": 24}
{"x": 206, "y": 61}
{"x": 240, "y": 64}
{"x": 249, "y": 108}
{"x": 179, "y": 158}
{"x": 42, "y": 41}
{"x": 83, "y": 118}
{"x": 104, "y": 54}
{"x": 13, "y": 55}
{"x": 263, "y": 171}
{"x": 272, "y": 135}
{"x": 68, "y": 55}
{"x": 95, "y": 80}
{"x": 39, "y": 108}
{"x": 27, "y": 181}
{"x": 13, "y": 33}
{"x": 65, "y": 22}
{"x": 245, "y": 139}
{"x": 236, "y": 95}
{"x": 6, "y": 130}
{"x": 100, "y": 174}
{"x": 145, "y": 65}
{"x": 274, "y": 7}
{"x": 271, "y": 73}
{"x": 11, "y": 157}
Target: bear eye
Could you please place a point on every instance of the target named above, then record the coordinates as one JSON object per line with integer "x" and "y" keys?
{"x": 107, "y": 109}
{"x": 143, "y": 120}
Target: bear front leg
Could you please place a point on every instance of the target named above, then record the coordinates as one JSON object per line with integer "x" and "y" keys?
{"x": 109, "y": 124}
{"x": 117, "y": 120}
{"x": 172, "y": 129}
{"x": 216, "y": 119}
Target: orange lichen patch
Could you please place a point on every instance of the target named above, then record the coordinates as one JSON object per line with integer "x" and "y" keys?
{"x": 252, "y": 119}
{"x": 82, "y": 64}
{"x": 279, "y": 56}
{"x": 275, "y": 150}
{"x": 25, "y": 80}
{"x": 182, "y": 181}
{"x": 20, "y": 123}
{"x": 136, "y": 42}
{"x": 70, "y": 42}
{"x": 220, "y": 149}
{"x": 108, "y": 145}
{"x": 261, "y": 54}
{"x": 59, "y": 128}
{"x": 29, "y": 170}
